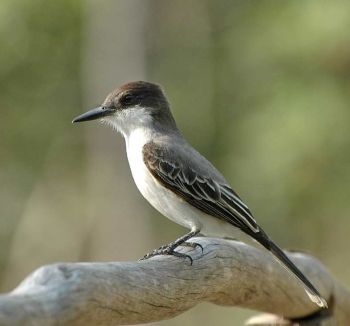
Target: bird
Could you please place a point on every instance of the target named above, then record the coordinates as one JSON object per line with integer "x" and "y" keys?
{"x": 176, "y": 179}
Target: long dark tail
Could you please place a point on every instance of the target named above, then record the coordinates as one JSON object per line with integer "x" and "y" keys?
{"x": 311, "y": 291}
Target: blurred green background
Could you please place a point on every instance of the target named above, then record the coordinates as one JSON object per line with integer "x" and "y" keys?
{"x": 262, "y": 88}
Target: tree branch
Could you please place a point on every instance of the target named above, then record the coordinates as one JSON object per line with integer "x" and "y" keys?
{"x": 227, "y": 273}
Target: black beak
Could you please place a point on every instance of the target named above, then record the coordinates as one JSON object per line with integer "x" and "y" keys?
{"x": 93, "y": 114}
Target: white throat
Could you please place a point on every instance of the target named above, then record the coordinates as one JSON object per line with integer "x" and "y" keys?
{"x": 137, "y": 138}
{"x": 130, "y": 120}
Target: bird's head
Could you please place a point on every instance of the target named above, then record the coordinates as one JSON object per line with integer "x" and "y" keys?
{"x": 131, "y": 106}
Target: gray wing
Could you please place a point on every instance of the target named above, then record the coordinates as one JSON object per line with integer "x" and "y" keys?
{"x": 193, "y": 178}
{"x": 186, "y": 177}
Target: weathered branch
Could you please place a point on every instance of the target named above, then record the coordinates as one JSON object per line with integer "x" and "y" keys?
{"x": 227, "y": 273}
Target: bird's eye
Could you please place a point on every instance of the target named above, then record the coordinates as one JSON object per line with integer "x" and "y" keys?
{"x": 126, "y": 99}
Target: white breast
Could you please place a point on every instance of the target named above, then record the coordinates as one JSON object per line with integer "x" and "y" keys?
{"x": 164, "y": 200}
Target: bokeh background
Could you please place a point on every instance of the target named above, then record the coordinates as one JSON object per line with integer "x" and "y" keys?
{"x": 259, "y": 87}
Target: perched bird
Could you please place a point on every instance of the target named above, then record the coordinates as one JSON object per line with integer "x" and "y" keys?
{"x": 178, "y": 181}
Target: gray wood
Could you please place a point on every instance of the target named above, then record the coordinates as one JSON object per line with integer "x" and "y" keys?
{"x": 119, "y": 293}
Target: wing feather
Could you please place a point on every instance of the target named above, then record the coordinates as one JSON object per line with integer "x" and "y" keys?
{"x": 187, "y": 177}
{"x": 199, "y": 190}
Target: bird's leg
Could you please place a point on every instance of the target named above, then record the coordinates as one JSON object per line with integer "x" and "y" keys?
{"x": 170, "y": 248}
{"x": 182, "y": 241}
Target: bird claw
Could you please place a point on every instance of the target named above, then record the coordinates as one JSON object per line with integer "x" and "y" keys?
{"x": 166, "y": 250}
{"x": 193, "y": 245}
{"x": 170, "y": 248}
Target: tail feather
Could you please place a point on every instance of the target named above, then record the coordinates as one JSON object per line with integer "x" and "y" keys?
{"x": 311, "y": 291}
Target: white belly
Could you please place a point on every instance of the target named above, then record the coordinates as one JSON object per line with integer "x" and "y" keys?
{"x": 165, "y": 201}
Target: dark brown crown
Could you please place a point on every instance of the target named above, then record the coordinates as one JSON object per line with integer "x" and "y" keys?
{"x": 140, "y": 93}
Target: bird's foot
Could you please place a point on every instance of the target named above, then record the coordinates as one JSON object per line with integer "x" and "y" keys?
{"x": 166, "y": 250}
{"x": 170, "y": 248}
{"x": 193, "y": 245}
